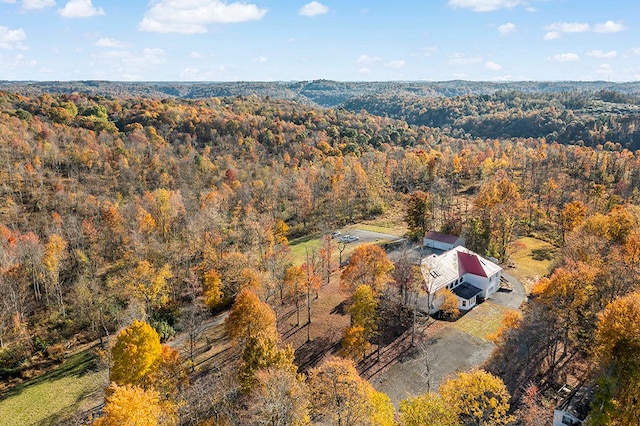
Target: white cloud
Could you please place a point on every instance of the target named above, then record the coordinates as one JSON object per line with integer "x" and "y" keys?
{"x": 609, "y": 27}
{"x": 552, "y": 35}
{"x": 80, "y": 9}
{"x": 568, "y": 27}
{"x": 193, "y": 16}
{"x": 7, "y": 1}
{"x": 564, "y": 57}
{"x": 492, "y": 66}
{"x": 14, "y": 62}
{"x": 462, "y": 59}
{"x": 507, "y": 77}
{"x": 602, "y": 54}
{"x": 12, "y": 39}
{"x": 37, "y": 4}
{"x": 459, "y": 75}
{"x": 109, "y": 42}
{"x": 366, "y": 59}
{"x": 396, "y": 64}
{"x": 195, "y": 55}
{"x": 428, "y": 51}
{"x": 530, "y": 9}
{"x": 260, "y": 59}
{"x": 605, "y": 69}
{"x": 635, "y": 51}
{"x": 507, "y": 28}
{"x": 486, "y": 5}
{"x": 364, "y": 70}
{"x": 125, "y": 58}
{"x": 313, "y": 9}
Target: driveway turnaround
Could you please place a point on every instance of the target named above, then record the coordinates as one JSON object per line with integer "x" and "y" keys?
{"x": 457, "y": 346}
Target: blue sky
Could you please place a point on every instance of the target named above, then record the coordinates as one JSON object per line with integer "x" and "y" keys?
{"x": 348, "y": 40}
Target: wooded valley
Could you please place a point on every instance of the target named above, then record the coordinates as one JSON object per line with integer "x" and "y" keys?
{"x": 127, "y": 222}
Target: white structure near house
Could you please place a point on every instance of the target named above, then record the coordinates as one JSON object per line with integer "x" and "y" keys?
{"x": 467, "y": 274}
{"x": 440, "y": 241}
{"x": 574, "y": 408}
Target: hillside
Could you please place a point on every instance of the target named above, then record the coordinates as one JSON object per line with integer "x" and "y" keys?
{"x": 119, "y": 207}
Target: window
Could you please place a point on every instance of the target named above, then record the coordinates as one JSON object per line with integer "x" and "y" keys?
{"x": 464, "y": 303}
{"x": 568, "y": 420}
{"x": 434, "y": 274}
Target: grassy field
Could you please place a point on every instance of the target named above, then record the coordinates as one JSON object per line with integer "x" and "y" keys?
{"x": 482, "y": 320}
{"x": 55, "y": 395}
{"x": 533, "y": 260}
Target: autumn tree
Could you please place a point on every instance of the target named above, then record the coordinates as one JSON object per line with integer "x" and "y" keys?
{"x": 363, "y": 310}
{"x": 354, "y": 342}
{"x": 149, "y": 284}
{"x": 212, "y": 289}
{"x": 368, "y": 265}
{"x": 418, "y": 214}
{"x": 571, "y": 216}
{"x": 427, "y": 409}
{"x": 339, "y": 395}
{"x": 135, "y": 354}
{"x": 55, "y": 253}
{"x": 477, "y": 398}
{"x": 280, "y": 397}
{"x": 510, "y": 323}
{"x": 131, "y": 405}
{"x": 252, "y": 323}
{"x": 250, "y": 318}
{"x": 295, "y": 282}
{"x": 618, "y": 351}
{"x": 534, "y": 411}
{"x": 449, "y": 308}
{"x": 260, "y": 353}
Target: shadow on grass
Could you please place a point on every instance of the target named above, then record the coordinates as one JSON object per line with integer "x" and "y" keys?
{"x": 76, "y": 365}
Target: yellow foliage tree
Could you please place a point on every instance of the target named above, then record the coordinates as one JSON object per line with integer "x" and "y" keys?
{"x": 135, "y": 355}
{"x": 262, "y": 352}
{"x": 131, "y": 406}
{"x": 363, "y": 310}
{"x": 354, "y": 342}
{"x": 449, "y": 307}
{"x": 426, "y": 409}
{"x": 212, "y": 284}
{"x": 341, "y": 396}
{"x": 149, "y": 285}
{"x": 477, "y": 398}
{"x": 54, "y": 254}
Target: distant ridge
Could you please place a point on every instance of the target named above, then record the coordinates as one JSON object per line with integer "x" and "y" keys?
{"x": 325, "y": 93}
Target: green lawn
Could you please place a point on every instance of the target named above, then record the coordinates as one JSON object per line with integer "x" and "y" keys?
{"x": 54, "y": 395}
{"x": 533, "y": 260}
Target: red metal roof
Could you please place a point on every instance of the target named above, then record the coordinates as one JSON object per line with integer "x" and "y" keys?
{"x": 470, "y": 264}
{"x": 439, "y": 236}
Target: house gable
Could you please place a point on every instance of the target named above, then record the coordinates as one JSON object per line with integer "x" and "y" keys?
{"x": 470, "y": 264}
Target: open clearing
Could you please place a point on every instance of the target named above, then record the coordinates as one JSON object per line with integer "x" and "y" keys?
{"x": 76, "y": 385}
{"x": 533, "y": 260}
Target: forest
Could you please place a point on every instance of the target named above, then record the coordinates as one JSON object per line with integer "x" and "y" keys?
{"x": 128, "y": 221}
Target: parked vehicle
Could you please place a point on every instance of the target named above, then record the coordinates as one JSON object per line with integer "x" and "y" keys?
{"x": 349, "y": 238}
{"x": 336, "y": 234}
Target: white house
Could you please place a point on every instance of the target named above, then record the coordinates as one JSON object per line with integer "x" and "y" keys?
{"x": 465, "y": 273}
{"x": 440, "y": 241}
